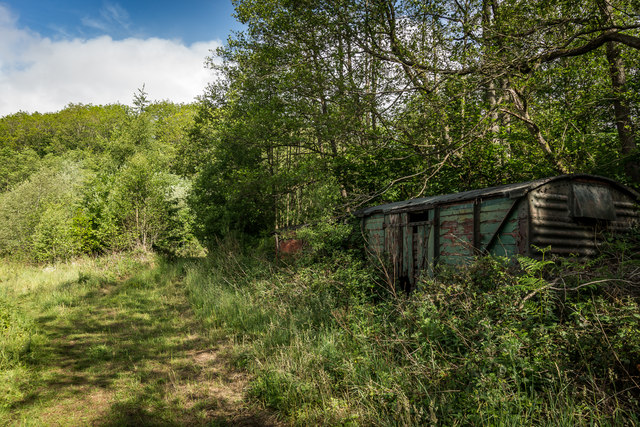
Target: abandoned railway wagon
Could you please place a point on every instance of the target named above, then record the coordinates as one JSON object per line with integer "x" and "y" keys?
{"x": 566, "y": 214}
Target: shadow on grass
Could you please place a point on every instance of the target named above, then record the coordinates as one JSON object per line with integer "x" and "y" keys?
{"x": 124, "y": 350}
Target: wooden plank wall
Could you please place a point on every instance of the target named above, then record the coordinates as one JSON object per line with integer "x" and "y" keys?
{"x": 456, "y": 234}
{"x": 443, "y": 235}
{"x": 414, "y": 243}
{"x": 492, "y": 213}
{"x": 373, "y": 228}
{"x": 393, "y": 242}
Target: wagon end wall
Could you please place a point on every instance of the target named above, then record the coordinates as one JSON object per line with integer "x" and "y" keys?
{"x": 573, "y": 217}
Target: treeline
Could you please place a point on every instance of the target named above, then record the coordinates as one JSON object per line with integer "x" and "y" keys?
{"x": 90, "y": 179}
{"x": 324, "y": 106}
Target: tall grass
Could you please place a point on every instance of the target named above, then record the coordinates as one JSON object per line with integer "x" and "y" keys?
{"x": 485, "y": 346}
{"x": 16, "y": 335}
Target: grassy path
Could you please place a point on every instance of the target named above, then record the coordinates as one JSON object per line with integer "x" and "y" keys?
{"x": 119, "y": 349}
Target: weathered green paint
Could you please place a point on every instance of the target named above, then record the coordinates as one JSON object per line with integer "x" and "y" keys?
{"x": 505, "y": 243}
{"x": 456, "y": 234}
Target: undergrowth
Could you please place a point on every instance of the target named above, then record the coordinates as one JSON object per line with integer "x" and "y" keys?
{"x": 498, "y": 343}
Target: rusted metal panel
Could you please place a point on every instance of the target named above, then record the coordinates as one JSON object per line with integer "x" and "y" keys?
{"x": 456, "y": 233}
{"x": 549, "y": 208}
{"x": 288, "y": 244}
{"x": 591, "y": 201}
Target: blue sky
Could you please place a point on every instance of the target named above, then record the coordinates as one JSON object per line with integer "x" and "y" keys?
{"x": 187, "y": 20}
{"x": 100, "y": 52}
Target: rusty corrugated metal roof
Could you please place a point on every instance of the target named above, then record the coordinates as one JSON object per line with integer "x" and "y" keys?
{"x": 507, "y": 190}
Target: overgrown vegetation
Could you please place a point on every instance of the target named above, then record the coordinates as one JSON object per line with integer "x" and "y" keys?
{"x": 325, "y": 338}
{"x": 321, "y": 106}
{"x": 499, "y": 343}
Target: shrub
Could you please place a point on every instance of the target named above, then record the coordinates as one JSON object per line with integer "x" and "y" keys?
{"x": 54, "y": 237}
{"x": 35, "y": 216}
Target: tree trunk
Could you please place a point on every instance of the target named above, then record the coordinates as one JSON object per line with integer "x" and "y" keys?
{"x": 624, "y": 123}
{"x": 621, "y": 109}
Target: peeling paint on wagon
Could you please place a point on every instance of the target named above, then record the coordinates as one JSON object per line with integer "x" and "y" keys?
{"x": 567, "y": 213}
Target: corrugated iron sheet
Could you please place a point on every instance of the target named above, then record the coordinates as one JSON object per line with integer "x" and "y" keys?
{"x": 508, "y": 190}
{"x": 558, "y": 224}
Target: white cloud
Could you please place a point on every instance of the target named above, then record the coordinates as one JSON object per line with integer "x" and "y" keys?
{"x": 40, "y": 74}
{"x": 113, "y": 18}
{"x": 113, "y": 12}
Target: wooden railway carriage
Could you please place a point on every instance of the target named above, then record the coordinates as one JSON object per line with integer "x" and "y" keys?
{"x": 566, "y": 213}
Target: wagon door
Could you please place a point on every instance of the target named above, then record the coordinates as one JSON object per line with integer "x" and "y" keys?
{"x": 393, "y": 243}
{"x": 419, "y": 227}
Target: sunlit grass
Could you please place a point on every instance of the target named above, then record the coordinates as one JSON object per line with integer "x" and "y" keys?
{"x": 135, "y": 340}
{"x": 108, "y": 340}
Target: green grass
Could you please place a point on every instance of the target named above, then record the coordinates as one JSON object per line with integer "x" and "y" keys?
{"x": 110, "y": 341}
{"x": 320, "y": 341}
